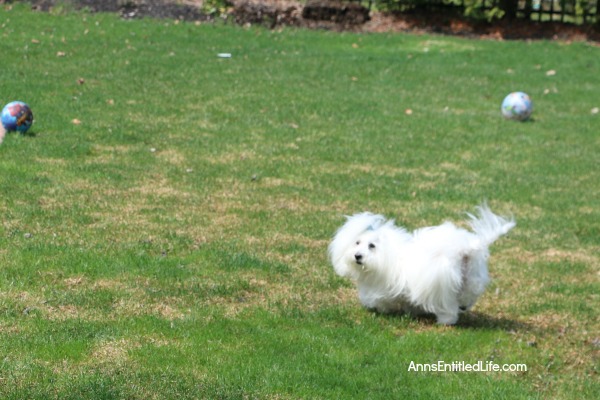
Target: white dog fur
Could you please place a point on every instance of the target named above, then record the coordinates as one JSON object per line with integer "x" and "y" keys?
{"x": 440, "y": 270}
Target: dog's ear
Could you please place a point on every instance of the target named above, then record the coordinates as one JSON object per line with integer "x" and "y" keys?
{"x": 365, "y": 221}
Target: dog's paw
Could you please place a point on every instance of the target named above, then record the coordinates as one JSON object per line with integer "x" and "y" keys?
{"x": 447, "y": 319}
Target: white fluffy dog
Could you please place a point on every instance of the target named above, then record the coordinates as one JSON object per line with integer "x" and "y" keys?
{"x": 440, "y": 270}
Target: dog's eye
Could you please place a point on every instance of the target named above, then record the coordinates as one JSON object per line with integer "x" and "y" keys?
{"x": 357, "y": 242}
{"x": 371, "y": 246}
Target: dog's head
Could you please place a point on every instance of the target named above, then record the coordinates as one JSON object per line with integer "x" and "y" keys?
{"x": 358, "y": 246}
{"x": 366, "y": 252}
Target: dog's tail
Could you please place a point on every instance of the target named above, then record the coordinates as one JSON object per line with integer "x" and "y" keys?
{"x": 489, "y": 226}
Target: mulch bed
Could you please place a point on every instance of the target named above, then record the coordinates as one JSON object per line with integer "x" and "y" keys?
{"x": 332, "y": 15}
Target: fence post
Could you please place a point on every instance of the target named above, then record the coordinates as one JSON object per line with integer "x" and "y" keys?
{"x": 510, "y": 8}
{"x": 527, "y": 10}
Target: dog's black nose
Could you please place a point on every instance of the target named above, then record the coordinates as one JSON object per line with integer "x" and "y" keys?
{"x": 358, "y": 257}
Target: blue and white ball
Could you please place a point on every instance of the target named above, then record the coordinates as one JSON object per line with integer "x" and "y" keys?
{"x": 517, "y": 106}
{"x": 16, "y": 116}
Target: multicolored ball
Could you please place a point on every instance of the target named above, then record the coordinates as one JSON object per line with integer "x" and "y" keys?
{"x": 17, "y": 116}
{"x": 517, "y": 106}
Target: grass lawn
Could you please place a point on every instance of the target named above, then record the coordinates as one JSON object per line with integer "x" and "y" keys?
{"x": 164, "y": 224}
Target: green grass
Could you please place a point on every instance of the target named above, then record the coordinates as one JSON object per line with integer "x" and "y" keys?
{"x": 172, "y": 244}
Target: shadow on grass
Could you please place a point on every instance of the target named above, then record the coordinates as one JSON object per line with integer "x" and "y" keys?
{"x": 468, "y": 320}
{"x": 27, "y": 134}
{"x": 30, "y": 133}
{"x": 474, "y": 320}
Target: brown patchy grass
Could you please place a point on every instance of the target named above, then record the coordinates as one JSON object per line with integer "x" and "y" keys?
{"x": 103, "y": 154}
{"x": 112, "y": 353}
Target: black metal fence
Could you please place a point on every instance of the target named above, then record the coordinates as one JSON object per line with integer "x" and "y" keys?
{"x": 566, "y": 11}
{"x": 573, "y": 11}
